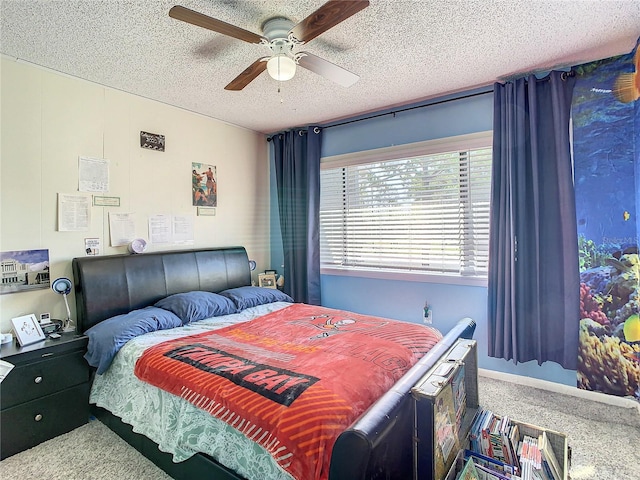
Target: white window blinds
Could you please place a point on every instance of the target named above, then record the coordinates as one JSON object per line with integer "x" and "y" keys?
{"x": 428, "y": 213}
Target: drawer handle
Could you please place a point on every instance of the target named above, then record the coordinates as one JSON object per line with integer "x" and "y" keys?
{"x": 46, "y": 354}
{"x": 38, "y": 417}
{"x": 37, "y": 379}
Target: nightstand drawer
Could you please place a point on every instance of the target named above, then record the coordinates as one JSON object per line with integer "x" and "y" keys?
{"x": 37, "y": 379}
{"x": 31, "y": 423}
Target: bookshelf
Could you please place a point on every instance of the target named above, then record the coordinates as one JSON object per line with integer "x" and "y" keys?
{"x": 540, "y": 453}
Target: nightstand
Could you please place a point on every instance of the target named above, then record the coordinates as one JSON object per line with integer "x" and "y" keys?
{"x": 46, "y": 394}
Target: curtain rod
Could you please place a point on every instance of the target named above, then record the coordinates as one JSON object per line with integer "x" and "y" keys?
{"x": 393, "y": 112}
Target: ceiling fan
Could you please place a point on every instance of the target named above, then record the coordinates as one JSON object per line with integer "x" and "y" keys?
{"x": 280, "y": 35}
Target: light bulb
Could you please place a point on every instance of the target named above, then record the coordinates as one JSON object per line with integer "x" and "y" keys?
{"x": 281, "y": 67}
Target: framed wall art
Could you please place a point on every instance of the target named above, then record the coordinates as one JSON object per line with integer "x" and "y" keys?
{"x": 24, "y": 270}
{"x": 204, "y": 185}
{"x": 152, "y": 141}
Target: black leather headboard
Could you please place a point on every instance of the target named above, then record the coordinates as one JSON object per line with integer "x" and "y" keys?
{"x": 115, "y": 284}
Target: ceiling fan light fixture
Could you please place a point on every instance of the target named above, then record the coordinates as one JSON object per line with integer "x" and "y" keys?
{"x": 281, "y": 67}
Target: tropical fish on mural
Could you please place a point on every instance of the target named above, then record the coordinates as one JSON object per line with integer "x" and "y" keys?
{"x": 626, "y": 216}
{"x": 631, "y": 328}
{"x": 627, "y": 86}
{"x": 630, "y": 250}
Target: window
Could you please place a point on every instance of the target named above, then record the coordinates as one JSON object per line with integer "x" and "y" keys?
{"x": 422, "y": 208}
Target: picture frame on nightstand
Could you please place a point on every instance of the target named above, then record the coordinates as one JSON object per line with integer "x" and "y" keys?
{"x": 27, "y": 330}
{"x": 267, "y": 280}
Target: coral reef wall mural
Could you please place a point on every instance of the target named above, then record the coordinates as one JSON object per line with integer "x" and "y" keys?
{"x": 606, "y": 148}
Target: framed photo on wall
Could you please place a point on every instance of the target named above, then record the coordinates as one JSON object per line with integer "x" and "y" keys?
{"x": 24, "y": 270}
{"x": 27, "y": 329}
{"x": 204, "y": 185}
{"x": 267, "y": 280}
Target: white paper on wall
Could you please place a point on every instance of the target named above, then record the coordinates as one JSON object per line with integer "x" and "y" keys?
{"x": 183, "y": 229}
{"x": 74, "y": 212}
{"x": 93, "y": 174}
{"x": 122, "y": 228}
{"x": 159, "y": 229}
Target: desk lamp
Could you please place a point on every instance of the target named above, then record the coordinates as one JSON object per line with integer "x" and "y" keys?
{"x": 63, "y": 287}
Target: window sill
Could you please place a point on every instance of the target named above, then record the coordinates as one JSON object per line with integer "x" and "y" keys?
{"x": 405, "y": 276}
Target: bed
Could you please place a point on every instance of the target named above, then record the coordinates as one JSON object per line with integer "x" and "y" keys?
{"x": 378, "y": 444}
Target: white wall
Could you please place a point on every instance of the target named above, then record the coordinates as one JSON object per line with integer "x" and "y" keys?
{"x": 49, "y": 120}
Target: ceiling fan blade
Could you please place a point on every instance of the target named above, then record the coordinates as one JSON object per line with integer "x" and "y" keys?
{"x": 195, "y": 18}
{"x": 326, "y": 69}
{"x": 248, "y": 75}
{"x": 327, "y": 16}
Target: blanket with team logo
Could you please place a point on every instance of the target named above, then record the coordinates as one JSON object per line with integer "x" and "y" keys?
{"x": 291, "y": 380}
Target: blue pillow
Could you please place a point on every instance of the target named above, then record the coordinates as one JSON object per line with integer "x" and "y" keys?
{"x": 246, "y": 297}
{"x": 194, "y": 306}
{"x": 108, "y": 337}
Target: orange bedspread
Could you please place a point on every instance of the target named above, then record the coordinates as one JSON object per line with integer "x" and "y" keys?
{"x": 291, "y": 380}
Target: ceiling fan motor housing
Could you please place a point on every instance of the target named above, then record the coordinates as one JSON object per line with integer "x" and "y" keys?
{"x": 277, "y": 28}
{"x": 276, "y": 31}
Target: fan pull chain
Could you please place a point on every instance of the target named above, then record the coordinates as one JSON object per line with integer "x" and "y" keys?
{"x": 279, "y": 81}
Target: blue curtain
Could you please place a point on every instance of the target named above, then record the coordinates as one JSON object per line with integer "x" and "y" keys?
{"x": 297, "y": 162}
{"x": 534, "y": 283}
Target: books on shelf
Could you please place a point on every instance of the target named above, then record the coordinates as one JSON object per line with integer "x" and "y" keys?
{"x": 538, "y": 460}
{"x": 490, "y": 462}
{"x": 469, "y": 472}
{"x": 495, "y": 437}
{"x": 505, "y": 449}
{"x": 488, "y": 474}
{"x": 476, "y": 468}
{"x": 529, "y": 457}
{"x": 549, "y": 460}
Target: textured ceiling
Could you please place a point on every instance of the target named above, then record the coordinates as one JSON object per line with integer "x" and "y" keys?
{"x": 404, "y": 51}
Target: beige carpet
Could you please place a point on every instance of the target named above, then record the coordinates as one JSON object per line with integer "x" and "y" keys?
{"x": 604, "y": 440}
{"x": 91, "y": 452}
